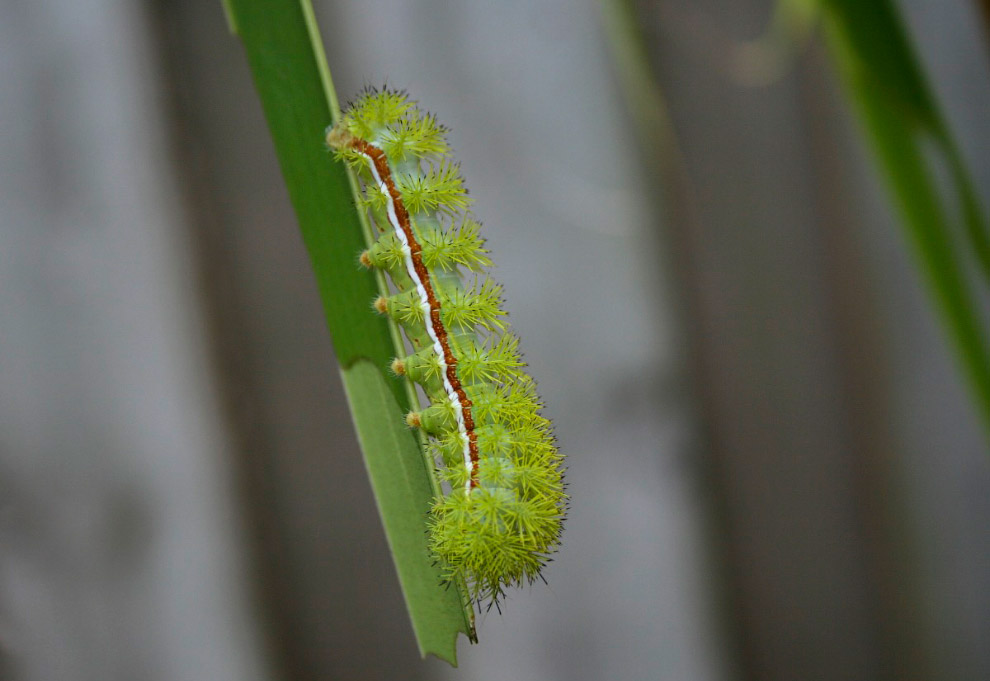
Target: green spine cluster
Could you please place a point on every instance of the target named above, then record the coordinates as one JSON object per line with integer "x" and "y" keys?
{"x": 501, "y": 532}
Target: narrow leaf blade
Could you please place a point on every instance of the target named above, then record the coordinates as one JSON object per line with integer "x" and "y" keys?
{"x": 293, "y": 83}
{"x": 943, "y": 220}
{"x": 395, "y": 470}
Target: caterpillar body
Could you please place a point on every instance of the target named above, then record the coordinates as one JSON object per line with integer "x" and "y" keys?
{"x": 501, "y": 511}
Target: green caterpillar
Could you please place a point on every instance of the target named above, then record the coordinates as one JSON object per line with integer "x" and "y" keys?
{"x": 501, "y": 514}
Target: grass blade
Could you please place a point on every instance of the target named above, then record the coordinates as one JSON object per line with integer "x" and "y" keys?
{"x": 924, "y": 170}
{"x": 293, "y": 82}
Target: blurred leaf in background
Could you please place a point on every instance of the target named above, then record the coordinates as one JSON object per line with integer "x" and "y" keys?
{"x": 925, "y": 172}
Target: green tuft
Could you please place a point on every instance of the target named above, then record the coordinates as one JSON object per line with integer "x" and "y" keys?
{"x": 386, "y": 253}
{"x": 496, "y": 360}
{"x": 375, "y": 111}
{"x": 405, "y": 308}
{"x": 481, "y": 305}
{"x": 447, "y": 249}
{"x": 440, "y": 189}
{"x": 414, "y": 137}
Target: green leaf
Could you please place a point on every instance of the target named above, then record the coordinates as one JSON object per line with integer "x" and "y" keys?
{"x": 396, "y": 470}
{"x": 925, "y": 171}
{"x": 293, "y": 82}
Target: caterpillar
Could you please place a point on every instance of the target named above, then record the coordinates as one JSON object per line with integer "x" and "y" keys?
{"x": 499, "y": 516}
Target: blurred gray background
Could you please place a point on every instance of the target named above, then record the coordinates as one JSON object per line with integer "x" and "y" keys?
{"x": 774, "y": 469}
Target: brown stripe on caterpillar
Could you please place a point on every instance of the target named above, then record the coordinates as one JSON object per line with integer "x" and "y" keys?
{"x": 379, "y": 159}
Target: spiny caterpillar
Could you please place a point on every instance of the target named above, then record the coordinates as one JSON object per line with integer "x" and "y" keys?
{"x": 501, "y": 514}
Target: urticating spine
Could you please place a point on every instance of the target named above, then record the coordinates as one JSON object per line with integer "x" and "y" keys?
{"x": 502, "y": 513}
